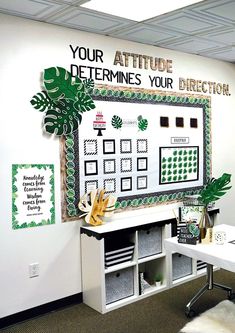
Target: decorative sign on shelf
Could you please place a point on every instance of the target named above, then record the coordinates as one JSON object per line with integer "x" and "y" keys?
{"x": 32, "y": 195}
{"x": 189, "y": 234}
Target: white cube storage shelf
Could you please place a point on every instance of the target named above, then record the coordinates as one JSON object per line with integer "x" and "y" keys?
{"x": 118, "y": 254}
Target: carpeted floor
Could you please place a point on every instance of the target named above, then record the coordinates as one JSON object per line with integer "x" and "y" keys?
{"x": 161, "y": 313}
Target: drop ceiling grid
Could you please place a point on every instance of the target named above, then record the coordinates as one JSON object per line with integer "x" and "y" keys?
{"x": 206, "y": 28}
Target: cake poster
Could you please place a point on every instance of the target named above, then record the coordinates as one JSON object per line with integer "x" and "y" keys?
{"x": 32, "y": 195}
{"x": 99, "y": 124}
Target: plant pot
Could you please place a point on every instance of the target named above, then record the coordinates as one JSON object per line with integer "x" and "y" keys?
{"x": 158, "y": 284}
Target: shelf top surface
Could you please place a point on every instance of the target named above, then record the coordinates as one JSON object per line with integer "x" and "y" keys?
{"x": 141, "y": 218}
{"x": 131, "y": 222}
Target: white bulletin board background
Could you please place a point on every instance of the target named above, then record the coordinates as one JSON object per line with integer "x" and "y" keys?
{"x": 155, "y": 135}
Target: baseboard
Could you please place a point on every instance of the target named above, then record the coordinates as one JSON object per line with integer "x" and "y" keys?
{"x": 40, "y": 310}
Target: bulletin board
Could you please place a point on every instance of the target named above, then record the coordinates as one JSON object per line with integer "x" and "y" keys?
{"x": 144, "y": 146}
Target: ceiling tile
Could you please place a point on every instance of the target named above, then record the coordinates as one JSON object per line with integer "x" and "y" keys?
{"x": 218, "y": 10}
{"x": 145, "y": 34}
{"x": 223, "y": 36}
{"x": 88, "y": 20}
{"x": 34, "y": 9}
{"x": 183, "y": 22}
{"x": 193, "y": 45}
{"x": 226, "y": 54}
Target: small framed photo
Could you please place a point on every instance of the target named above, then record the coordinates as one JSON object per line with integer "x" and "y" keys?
{"x": 126, "y": 184}
{"x": 126, "y": 164}
{"x": 110, "y": 185}
{"x": 90, "y": 147}
{"x": 91, "y": 168}
{"x": 109, "y": 146}
{"x": 142, "y": 163}
{"x": 142, "y": 145}
{"x": 125, "y": 146}
{"x": 91, "y": 185}
{"x": 190, "y": 213}
{"x": 109, "y": 166}
{"x": 141, "y": 182}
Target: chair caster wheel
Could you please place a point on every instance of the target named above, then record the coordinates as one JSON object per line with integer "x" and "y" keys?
{"x": 190, "y": 313}
{"x": 231, "y": 296}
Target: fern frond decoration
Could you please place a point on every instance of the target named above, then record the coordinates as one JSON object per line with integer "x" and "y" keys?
{"x": 215, "y": 189}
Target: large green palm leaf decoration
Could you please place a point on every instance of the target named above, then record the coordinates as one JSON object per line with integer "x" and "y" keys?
{"x": 59, "y": 84}
{"x": 63, "y": 120}
{"x": 83, "y": 102}
{"x": 42, "y": 101}
{"x": 64, "y": 100}
{"x": 215, "y": 189}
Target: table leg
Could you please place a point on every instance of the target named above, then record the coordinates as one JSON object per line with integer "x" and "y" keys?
{"x": 210, "y": 284}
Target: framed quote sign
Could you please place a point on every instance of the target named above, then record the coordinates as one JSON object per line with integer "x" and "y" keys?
{"x": 151, "y": 147}
{"x": 32, "y": 195}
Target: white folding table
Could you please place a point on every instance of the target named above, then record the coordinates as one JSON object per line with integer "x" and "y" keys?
{"x": 222, "y": 256}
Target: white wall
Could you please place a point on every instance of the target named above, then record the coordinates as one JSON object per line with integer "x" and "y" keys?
{"x": 27, "y": 48}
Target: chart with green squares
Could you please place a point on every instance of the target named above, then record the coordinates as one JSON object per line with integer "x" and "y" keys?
{"x": 178, "y": 164}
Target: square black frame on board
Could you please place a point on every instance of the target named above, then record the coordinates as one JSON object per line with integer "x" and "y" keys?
{"x": 91, "y": 167}
{"x": 109, "y": 146}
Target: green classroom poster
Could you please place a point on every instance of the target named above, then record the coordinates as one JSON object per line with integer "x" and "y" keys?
{"x": 33, "y": 197}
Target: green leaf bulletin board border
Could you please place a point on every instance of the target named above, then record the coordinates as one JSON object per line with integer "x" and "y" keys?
{"x": 69, "y": 148}
{"x": 20, "y": 225}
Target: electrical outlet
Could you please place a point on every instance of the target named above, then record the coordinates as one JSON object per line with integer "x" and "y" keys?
{"x": 34, "y": 270}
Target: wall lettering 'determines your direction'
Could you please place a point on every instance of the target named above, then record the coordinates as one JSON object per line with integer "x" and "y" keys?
{"x": 124, "y": 59}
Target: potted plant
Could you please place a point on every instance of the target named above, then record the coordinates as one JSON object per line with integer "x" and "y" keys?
{"x": 213, "y": 191}
{"x": 158, "y": 279}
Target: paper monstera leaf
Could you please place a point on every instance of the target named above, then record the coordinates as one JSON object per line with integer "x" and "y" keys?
{"x": 64, "y": 100}
{"x": 95, "y": 205}
{"x": 215, "y": 189}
